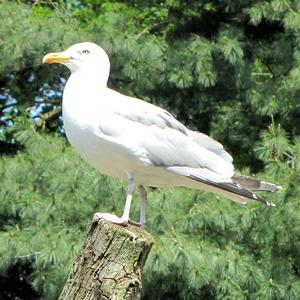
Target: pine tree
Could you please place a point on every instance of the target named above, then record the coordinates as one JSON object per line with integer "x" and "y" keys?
{"x": 228, "y": 68}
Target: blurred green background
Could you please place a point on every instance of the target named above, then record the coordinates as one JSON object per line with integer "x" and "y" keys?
{"x": 227, "y": 68}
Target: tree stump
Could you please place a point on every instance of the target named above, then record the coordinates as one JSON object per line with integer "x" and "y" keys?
{"x": 109, "y": 264}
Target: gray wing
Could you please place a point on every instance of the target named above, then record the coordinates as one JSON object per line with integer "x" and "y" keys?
{"x": 151, "y": 132}
{"x": 166, "y": 141}
{"x": 149, "y": 114}
{"x": 210, "y": 144}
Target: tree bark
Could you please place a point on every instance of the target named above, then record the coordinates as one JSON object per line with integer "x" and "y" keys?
{"x": 109, "y": 264}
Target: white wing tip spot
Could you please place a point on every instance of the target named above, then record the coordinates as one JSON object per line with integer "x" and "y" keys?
{"x": 269, "y": 203}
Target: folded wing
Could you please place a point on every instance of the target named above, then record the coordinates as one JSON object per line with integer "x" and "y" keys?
{"x": 168, "y": 144}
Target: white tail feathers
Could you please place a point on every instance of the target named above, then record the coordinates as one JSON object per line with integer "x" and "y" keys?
{"x": 254, "y": 184}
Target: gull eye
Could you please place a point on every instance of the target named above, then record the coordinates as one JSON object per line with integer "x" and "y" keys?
{"x": 85, "y": 52}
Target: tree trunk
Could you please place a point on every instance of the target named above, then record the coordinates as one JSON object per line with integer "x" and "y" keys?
{"x": 109, "y": 264}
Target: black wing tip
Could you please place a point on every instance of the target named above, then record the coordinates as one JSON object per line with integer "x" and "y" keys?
{"x": 263, "y": 200}
{"x": 235, "y": 188}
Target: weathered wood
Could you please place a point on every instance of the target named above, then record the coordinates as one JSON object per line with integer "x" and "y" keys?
{"x": 109, "y": 264}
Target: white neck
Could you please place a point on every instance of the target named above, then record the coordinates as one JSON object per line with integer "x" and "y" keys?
{"x": 82, "y": 82}
{"x": 90, "y": 76}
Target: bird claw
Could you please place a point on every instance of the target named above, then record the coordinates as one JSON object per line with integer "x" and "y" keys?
{"x": 110, "y": 218}
{"x": 116, "y": 220}
{"x": 138, "y": 224}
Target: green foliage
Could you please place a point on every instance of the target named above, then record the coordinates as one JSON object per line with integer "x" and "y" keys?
{"x": 227, "y": 68}
{"x": 45, "y": 208}
{"x": 204, "y": 246}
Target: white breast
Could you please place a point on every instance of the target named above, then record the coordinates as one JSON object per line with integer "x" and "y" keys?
{"x": 81, "y": 122}
{"x": 114, "y": 156}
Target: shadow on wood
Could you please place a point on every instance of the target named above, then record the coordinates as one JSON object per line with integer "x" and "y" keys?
{"x": 109, "y": 264}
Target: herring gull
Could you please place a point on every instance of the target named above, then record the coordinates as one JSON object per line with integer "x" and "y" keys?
{"x": 128, "y": 138}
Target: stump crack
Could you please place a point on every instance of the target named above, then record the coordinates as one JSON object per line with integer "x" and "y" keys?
{"x": 109, "y": 264}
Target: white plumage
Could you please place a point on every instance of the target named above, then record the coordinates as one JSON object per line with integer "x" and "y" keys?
{"x": 134, "y": 140}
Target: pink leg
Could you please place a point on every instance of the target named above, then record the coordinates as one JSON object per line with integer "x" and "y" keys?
{"x": 143, "y": 198}
{"x": 124, "y": 220}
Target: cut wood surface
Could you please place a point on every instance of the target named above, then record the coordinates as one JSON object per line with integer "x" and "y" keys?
{"x": 109, "y": 264}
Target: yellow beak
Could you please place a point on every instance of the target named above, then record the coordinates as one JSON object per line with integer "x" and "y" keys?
{"x": 57, "y": 57}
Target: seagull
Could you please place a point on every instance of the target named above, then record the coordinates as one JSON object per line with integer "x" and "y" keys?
{"x": 131, "y": 139}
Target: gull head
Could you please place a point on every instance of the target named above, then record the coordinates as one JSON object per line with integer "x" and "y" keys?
{"x": 81, "y": 57}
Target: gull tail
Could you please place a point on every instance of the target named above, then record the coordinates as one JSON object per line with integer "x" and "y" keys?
{"x": 234, "y": 191}
{"x": 254, "y": 184}
{"x": 230, "y": 188}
